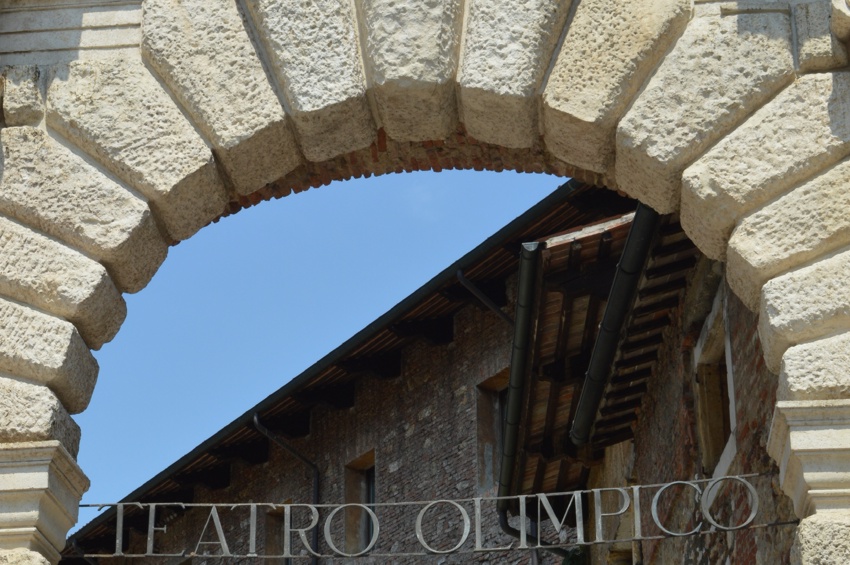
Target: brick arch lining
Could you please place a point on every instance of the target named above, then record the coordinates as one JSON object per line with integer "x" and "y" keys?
{"x": 736, "y": 116}
{"x": 385, "y": 156}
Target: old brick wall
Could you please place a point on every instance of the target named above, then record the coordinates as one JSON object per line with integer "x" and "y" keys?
{"x": 667, "y": 449}
{"x": 424, "y": 432}
{"x": 755, "y": 396}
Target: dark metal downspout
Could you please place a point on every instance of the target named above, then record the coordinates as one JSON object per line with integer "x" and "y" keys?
{"x": 313, "y": 467}
{"x": 619, "y": 303}
{"x": 519, "y": 362}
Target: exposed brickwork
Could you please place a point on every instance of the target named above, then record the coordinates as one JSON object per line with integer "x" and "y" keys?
{"x": 755, "y": 395}
{"x": 666, "y": 449}
{"x": 424, "y": 431}
{"x": 385, "y": 155}
{"x": 665, "y": 445}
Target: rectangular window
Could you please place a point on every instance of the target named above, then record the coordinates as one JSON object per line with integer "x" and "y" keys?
{"x": 491, "y": 401}
{"x": 360, "y": 488}
{"x": 713, "y": 381}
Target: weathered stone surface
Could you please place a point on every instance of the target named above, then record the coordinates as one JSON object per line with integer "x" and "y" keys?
{"x": 410, "y": 50}
{"x": 120, "y": 115}
{"x": 807, "y": 222}
{"x": 314, "y": 52}
{"x": 42, "y": 488}
{"x": 804, "y": 305}
{"x": 44, "y": 349}
{"x": 817, "y": 48}
{"x": 22, "y": 102}
{"x": 610, "y": 48}
{"x": 822, "y": 539}
{"x": 202, "y": 52}
{"x": 46, "y": 186}
{"x": 41, "y": 271}
{"x": 22, "y": 556}
{"x": 31, "y": 412}
{"x": 816, "y": 370}
{"x": 720, "y": 71}
{"x": 805, "y": 129}
{"x": 507, "y": 49}
{"x": 839, "y": 21}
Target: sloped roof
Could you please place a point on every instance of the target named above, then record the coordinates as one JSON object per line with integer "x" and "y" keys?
{"x": 375, "y": 350}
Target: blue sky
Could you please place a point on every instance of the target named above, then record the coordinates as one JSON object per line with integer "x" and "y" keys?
{"x": 248, "y": 303}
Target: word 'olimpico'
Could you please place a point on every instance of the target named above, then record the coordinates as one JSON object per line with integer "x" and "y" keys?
{"x": 552, "y": 512}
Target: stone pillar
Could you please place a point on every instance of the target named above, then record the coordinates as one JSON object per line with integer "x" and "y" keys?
{"x": 43, "y": 486}
{"x": 40, "y": 482}
{"x": 810, "y": 440}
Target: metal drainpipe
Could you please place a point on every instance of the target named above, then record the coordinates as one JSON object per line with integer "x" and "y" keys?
{"x": 313, "y": 467}
{"x": 519, "y": 361}
{"x": 620, "y": 301}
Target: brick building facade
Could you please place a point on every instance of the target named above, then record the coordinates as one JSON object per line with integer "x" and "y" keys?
{"x": 413, "y": 407}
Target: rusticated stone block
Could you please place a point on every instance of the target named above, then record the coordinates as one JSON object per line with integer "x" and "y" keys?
{"x": 22, "y": 557}
{"x": 723, "y": 68}
{"x": 31, "y": 412}
{"x": 506, "y": 52}
{"x": 202, "y": 52}
{"x": 44, "y": 349}
{"x": 119, "y": 114}
{"x": 809, "y": 221}
{"x": 609, "y": 50}
{"x": 410, "y": 50}
{"x": 804, "y": 305}
{"x": 822, "y": 539}
{"x": 46, "y": 186}
{"x": 816, "y": 370}
{"x": 41, "y": 271}
{"x": 805, "y": 129}
{"x": 314, "y": 53}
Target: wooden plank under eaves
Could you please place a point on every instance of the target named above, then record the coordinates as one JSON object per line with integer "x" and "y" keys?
{"x": 660, "y": 291}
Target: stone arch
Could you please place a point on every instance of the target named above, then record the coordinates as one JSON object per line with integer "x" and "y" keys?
{"x": 734, "y": 114}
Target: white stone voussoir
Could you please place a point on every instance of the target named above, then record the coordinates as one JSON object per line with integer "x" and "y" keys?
{"x": 817, "y": 370}
{"x": 31, "y": 412}
{"x": 44, "y": 349}
{"x": 801, "y": 225}
{"x": 314, "y": 52}
{"x": 805, "y": 129}
{"x": 37, "y": 270}
{"x": 806, "y": 304}
{"x": 609, "y": 50}
{"x": 506, "y": 51}
{"x": 203, "y": 53}
{"x": 22, "y": 101}
{"x": 46, "y": 186}
{"x": 118, "y": 113}
{"x": 722, "y": 69}
{"x": 410, "y": 50}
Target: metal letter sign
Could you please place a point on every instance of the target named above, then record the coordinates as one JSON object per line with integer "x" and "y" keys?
{"x": 230, "y": 530}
